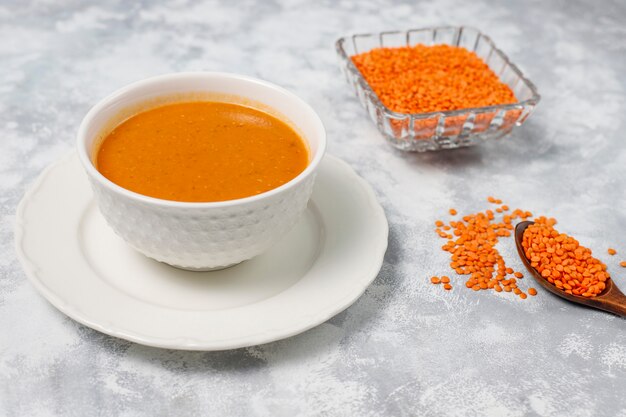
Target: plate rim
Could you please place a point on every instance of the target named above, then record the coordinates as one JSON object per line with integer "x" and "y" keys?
{"x": 32, "y": 272}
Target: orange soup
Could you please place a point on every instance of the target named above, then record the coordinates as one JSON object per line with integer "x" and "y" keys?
{"x": 202, "y": 151}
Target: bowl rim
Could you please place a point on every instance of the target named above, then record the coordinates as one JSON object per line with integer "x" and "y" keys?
{"x": 129, "y": 88}
{"x": 519, "y": 105}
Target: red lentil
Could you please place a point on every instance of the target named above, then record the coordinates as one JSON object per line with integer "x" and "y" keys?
{"x": 473, "y": 251}
{"x": 424, "y": 79}
{"x": 562, "y": 261}
{"x": 558, "y": 257}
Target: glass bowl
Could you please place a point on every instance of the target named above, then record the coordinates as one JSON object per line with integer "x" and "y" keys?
{"x": 446, "y": 129}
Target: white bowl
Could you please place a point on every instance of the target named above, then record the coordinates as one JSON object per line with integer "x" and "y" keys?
{"x": 201, "y": 236}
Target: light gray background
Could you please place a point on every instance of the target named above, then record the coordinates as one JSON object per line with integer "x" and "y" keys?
{"x": 405, "y": 347}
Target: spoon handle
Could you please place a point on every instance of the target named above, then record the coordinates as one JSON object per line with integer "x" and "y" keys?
{"x": 614, "y": 302}
{"x": 618, "y": 309}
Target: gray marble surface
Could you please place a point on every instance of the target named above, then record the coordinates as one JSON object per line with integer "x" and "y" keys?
{"x": 405, "y": 347}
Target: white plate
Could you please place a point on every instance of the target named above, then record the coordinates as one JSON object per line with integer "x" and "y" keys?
{"x": 86, "y": 271}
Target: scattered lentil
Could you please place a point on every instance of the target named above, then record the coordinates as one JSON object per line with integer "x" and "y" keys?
{"x": 472, "y": 249}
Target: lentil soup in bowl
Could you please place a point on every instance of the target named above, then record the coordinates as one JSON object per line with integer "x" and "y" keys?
{"x": 201, "y": 170}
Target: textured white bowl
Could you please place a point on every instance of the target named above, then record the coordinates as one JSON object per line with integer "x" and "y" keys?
{"x": 201, "y": 236}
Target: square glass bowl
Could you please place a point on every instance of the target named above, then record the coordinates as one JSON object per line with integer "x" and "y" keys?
{"x": 446, "y": 129}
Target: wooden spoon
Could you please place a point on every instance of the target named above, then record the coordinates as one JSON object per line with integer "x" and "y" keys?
{"x": 611, "y": 299}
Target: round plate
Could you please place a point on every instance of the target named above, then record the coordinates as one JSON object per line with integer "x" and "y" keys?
{"x": 86, "y": 271}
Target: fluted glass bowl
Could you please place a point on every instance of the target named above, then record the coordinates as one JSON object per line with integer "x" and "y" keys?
{"x": 446, "y": 129}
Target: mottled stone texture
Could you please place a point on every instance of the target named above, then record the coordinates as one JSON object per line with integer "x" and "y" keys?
{"x": 405, "y": 347}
